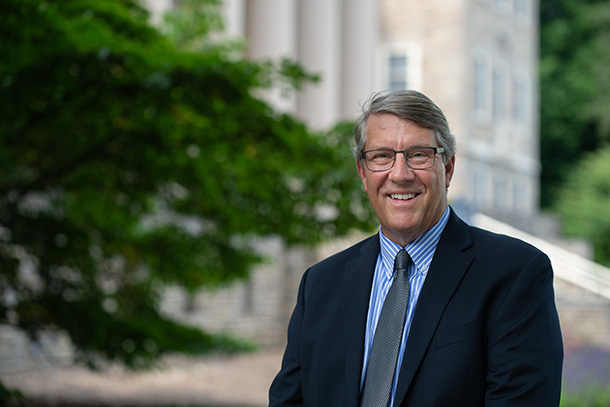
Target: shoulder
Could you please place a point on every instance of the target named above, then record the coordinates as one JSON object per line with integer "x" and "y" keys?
{"x": 355, "y": 264}
{"x": 507, "y": 256}
{"x": 486, "y": 243}
{"x": 497, "y": 244}
{"x": 486, "y": 246}
{"x": 368, "y": 245}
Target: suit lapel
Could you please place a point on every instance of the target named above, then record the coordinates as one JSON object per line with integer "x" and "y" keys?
{"x": 447, "y": 269}
{"x": 357, "y": 282}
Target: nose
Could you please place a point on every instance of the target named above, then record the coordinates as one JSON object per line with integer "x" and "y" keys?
{"x": 401, "y": 171}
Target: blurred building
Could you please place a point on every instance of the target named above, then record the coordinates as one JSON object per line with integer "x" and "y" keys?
{"x": 477, "y": 59}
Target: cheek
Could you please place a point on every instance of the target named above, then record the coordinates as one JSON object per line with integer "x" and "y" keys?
{"x": 373, "y": 184}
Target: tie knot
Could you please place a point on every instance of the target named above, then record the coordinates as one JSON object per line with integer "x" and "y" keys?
{"x": 402, "y": 260}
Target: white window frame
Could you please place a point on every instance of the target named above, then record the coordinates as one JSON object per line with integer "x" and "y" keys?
{"x": 413, "y": 72}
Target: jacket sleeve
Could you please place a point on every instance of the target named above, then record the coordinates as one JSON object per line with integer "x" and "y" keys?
{"x": 525, "y": 350}
{"x": 286, "y": 389}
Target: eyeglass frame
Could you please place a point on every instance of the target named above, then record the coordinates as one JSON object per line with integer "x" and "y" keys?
{"x": 437, "y": 150}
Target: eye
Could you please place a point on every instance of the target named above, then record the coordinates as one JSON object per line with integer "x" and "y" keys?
{"x": 418, "y": 154}
{"x": 382, "y": 155}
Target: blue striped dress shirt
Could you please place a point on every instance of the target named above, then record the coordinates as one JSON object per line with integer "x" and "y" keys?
{"x": 421, "y": 251}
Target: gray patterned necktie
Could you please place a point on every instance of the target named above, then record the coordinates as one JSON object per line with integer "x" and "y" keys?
{"x": 388, "y": 335}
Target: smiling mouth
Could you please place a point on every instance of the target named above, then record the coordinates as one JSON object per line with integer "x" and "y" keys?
{"x": 402, "y": 197}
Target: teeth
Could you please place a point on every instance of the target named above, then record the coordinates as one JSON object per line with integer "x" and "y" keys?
{"x": 403, "y": 197}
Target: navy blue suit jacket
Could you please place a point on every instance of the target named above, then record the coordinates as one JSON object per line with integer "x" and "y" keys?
{"x": 485, "y": 331}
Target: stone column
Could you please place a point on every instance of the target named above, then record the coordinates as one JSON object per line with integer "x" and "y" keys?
{"x": 271, "y": 31}
{"x": 361, "y": 40}
{"x": 234, "y": 13}
{"x": 320, "y": 52}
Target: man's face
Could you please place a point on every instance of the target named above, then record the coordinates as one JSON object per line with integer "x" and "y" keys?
{"x": 402, "y": 220}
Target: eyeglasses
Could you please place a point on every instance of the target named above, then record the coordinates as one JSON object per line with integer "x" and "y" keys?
{"x": 418, "y": 158}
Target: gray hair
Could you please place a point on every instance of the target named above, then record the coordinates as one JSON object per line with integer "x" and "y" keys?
{"x": 406, "y": 104}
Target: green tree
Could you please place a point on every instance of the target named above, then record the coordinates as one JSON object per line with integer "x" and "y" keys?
{"x": 128, "y": 163}
{"x": 575, "y": 86}
{"x": 584, "y": 203}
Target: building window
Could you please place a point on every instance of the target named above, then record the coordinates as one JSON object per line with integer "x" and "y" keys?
{"x": 502, "y": 194}
{"x": 481, "y": 187}
{"x": 400, "y": 66}
{"x": 519, "y": 101}
{"x": 498, "y": 95}
{"x": 521, "y": 9}
{"x": 504, "y": 5}
{"x": 480, "y": 87}
{"x": 397, "y": 72}
{"x": 522, "y": 197}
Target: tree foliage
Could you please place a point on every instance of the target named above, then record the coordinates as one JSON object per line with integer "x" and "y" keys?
{"x": 584, "y": 203}
{"x": 128, "y": 162}
{"x": 575, "y": 86}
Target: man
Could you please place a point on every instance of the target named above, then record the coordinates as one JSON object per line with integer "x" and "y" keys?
{"x": 479, "y": 327}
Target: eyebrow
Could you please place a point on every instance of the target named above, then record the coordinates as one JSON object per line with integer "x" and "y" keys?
{"x": 408, "y": 148}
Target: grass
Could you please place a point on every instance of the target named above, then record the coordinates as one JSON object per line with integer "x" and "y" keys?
{"x": 594, "y": 396}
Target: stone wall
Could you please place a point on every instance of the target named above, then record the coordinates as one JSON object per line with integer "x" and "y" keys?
{"x": 585, "y": 317}
{"x": 258, "y": 308}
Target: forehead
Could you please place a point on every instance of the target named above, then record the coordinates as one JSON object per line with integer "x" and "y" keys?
{"x": 389, "y": 130}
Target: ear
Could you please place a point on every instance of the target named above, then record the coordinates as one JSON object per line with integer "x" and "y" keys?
{"x": 449, "y": 168}
{"x": 362, "y": 173}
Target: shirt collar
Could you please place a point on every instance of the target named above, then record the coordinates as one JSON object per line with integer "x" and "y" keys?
{"x": 421, "y": 249}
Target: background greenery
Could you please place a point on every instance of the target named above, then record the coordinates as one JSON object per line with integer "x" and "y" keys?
{"x": 132, "y": 158}
{"x": 575, "y": 136}
{"x": 575, "y": 124}
{"x": 595, "y": 396}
